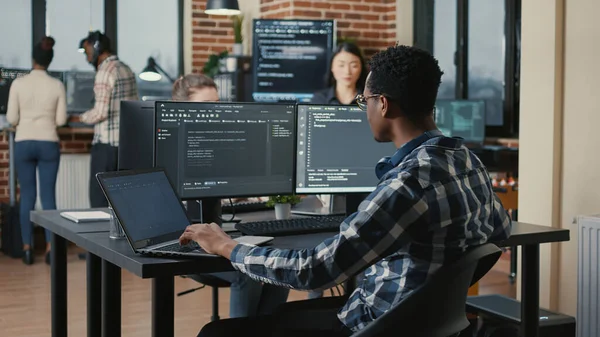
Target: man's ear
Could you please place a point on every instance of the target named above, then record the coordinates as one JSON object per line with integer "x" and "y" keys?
{"x": 385, "y": 106}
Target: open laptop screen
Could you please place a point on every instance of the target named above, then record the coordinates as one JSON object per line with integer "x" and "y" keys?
{"x": 147, "y": 206}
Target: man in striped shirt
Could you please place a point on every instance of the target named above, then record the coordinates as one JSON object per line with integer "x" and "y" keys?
{"x": 114, "y": 82}
{"x": 433, "y": 201}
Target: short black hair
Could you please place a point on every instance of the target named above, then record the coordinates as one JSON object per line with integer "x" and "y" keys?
{"x": 408, "y": 76}
{"x": 43, "y": 51}
{"x": 105, "y": 43}
{"x": 354, "y": 50}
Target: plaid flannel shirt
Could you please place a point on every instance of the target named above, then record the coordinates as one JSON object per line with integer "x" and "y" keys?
{"x": 427, "y": 211}
{"x": 114, "y": 82}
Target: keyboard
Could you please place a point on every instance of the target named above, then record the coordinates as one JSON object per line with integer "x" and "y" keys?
{"x": 176, "y": 247}
{"x": 245, "y": 207}
{"x": 291, "y": 226}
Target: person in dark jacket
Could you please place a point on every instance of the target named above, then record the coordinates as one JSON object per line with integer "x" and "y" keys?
{"x": 346, "y": 76}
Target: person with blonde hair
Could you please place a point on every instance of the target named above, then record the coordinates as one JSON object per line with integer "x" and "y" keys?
{"x": 248, "y": 297}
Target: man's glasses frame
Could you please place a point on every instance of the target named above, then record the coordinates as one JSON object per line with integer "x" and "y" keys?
{"x": 361, "y": 100}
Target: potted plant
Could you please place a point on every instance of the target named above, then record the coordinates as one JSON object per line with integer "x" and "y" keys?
{"x": 214, "y": 63}
{"x": 237, "y": 21}
{"x": 283, "y": 205}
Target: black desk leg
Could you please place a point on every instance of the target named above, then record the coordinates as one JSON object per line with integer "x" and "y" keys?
{"x": 58, "y": 272}
{"x": 530, "y": 291}
{"x": 94, "y": 299}
{"x": 163, "y": 306}
{"x": 111, "y": 300}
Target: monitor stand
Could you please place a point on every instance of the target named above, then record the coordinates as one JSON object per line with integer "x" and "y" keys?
{"x": 312, "y": 206}
{"x": 205, "y": 210}
{"x": 353, "y": 200}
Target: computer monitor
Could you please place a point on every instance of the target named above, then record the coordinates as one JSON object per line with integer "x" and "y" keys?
{"x": 7, "y": 76}
{"x": 290, "y": 58}
{"x": 336, "y": 151}
{"x": 222, "y": 150}
{"x": 80, "y": 91}
{"x": 136, "y": 135}
{"x": 462, "y": 118}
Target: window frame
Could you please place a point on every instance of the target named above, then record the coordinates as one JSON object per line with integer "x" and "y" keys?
{"x": 38, "y": 15}
{"x": 423, "y": 28}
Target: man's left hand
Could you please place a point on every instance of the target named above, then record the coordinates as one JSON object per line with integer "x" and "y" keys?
{"x": 210, "y": 237}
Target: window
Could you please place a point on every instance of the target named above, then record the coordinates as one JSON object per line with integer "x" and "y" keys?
{"x": 15, "y": 34}
{"x": 69, "y": 21}
{"x": 486, "y": 57}
{"x": 444, "y": 44}
{"x": 477, "y": 44}
{"x": 150, "y": 28}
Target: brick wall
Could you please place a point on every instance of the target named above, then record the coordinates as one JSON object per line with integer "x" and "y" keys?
{"x": 371, "y": 22}
{"x": 211, "y": 34}
{"x": 71, "y": 141}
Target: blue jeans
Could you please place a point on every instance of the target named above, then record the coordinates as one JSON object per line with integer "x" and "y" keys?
{"x": 252, "y": 298}
{"x": 45, "y": 157}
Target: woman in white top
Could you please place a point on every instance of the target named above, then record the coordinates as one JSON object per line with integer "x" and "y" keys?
{"x": 36, "y": 106}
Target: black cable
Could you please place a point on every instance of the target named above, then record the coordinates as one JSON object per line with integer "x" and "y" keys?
{"x": 190, "y": 290}
{"x": 232, "y": 212}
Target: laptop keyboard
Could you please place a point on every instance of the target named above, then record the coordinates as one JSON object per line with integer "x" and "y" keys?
{"x": 176, "y": 247}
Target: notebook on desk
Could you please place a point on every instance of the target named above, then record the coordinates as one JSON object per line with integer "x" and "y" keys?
{"x": 151, "y": 214}
{"x": 87, "y": 216}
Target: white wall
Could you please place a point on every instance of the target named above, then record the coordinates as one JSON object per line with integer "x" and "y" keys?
{"x": 404, "y": 22}
{"x": 559, "y": 141}
{"x": 539, "y": 134}
{"x": 581, "y": 139}
{"x": 251, "y": 10}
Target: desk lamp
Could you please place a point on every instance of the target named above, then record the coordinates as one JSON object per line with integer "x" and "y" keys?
{"x": 151, "y": 72}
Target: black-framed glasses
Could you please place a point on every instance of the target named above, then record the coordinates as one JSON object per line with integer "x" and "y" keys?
{"x": 361, "y": 100}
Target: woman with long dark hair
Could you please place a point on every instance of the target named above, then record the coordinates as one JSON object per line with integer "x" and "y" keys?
{"x": 346, "y": 76}
{"x": 36, "y": 106}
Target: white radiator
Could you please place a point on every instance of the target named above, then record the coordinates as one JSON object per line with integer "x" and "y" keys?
{"x": 588, "y": 279}
{"x": 72, "y": 183}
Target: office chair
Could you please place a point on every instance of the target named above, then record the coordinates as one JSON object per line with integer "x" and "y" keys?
{"x": 438, "y": 307}
{"x": 215, "y": 283}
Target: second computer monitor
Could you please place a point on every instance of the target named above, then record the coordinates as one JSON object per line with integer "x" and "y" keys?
{"x": 462, "y": 118}
{"x": 336, "y": 151}
{"x": 221, "y": 150}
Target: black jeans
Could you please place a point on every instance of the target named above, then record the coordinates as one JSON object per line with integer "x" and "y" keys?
{"x": 103, "y": 159}
{"x": 312, "y": 318}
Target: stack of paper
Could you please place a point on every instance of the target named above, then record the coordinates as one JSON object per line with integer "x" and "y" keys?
{"x": 88, "y": 216}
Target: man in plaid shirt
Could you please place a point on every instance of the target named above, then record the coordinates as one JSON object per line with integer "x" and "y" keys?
{"x": 433, "y": 201}
{"x": 114, "y": 82}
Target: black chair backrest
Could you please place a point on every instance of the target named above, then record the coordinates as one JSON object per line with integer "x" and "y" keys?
{"x": 438, "y": 307}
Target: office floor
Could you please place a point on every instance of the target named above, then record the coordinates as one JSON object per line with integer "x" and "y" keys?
{"x": 25, "y": 299}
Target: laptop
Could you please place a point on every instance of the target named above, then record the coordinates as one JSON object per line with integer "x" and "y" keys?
{"x": 151, "y": 213}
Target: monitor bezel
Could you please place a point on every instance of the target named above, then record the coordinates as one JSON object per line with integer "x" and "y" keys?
{"x": 296, "y": 161}
{"x": 329, "y": 52}
{"x": 294, "y": 136}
